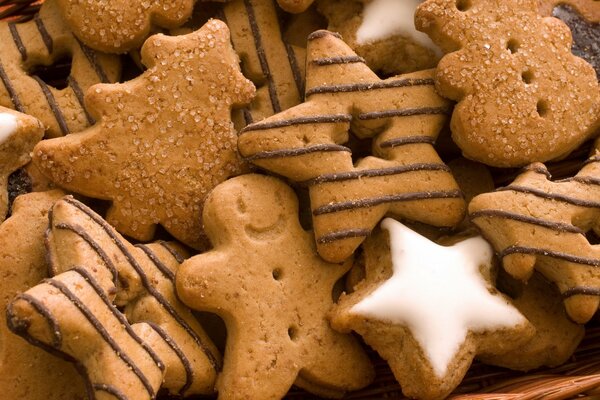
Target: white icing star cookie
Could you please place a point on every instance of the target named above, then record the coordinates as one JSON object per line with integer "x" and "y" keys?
{"x": 429, "y": 309}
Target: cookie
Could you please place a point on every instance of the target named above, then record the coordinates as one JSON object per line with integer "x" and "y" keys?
{"x": 275, "y": 66}
{"x": 383, "y": 33}
{"x": 27, "y": 52}
{"x": 583, "y": 18}
{"x": 162, "y": 141}
{"x": 122, "y": 25}
{"x": 295, "y": 6}
{"x": 18, "y": 135}
{"x": 265, "y": 279}
{"x": 535, "y": 223}
{"x": 415, "y": 289}
{"x": 93, "y": 268}
{"x": 556, "y": 336}
{"x": 522, "y": 95}
{"x": 27, "y": 372}
{"x": 401, "y": 174}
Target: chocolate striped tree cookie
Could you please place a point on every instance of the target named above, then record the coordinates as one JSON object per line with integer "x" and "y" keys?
{"x": 402, "y": 175}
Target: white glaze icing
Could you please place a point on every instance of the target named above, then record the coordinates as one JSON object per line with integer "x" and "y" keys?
{"x": 8, "y": 126}
{"x": 438, "y": 292}
{"x": 384, "y": 18}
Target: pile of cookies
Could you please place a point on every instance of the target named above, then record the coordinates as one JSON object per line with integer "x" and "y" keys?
{"x": 232, "y": 198}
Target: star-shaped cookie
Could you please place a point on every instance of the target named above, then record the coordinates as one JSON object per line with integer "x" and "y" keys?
{"x": 401, "y": 175}
{"x": 429, "y": 309}
{"x": 19, "y": 133}
{"x": 265, "y": 279}
{"x": 163, "y": 140}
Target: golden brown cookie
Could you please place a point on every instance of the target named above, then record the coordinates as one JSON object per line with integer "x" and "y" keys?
{"x": 401, "y": 174}
{"x": 118, "y": 26}
{"x": 522, "y": 95}
{"x": 429, "y": 309}
{"x": 156, "y": 343}
{"x": 265, "y": 279}
{"x": 295, "y": 6}
{"x": 28, "y": 52}
{"x": 383, "y": 33}
{"x": 556, "y": 336}
{"x": 27, "y": 372}
{"x": 162, "y": 141}
{"x": 535, "y": 223}
{"x": 18, "y": 135}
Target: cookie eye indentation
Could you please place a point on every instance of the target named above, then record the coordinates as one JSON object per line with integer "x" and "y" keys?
{"x": 55, "y": 75}
{"x": 463, "y": 5}
{"x": 513, "y": 45}
{"x": 293, "y": 333}
{"x": 277, "y": 273}
{"x": 527, "y": 76}
{"x": 542, "y": 108}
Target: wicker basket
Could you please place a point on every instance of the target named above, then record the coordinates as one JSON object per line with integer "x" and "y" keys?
{"x": 578, "y": 378}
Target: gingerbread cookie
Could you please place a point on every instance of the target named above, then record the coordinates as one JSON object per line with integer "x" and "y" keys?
{"x": 27, "y": 49}
{"x": 583, "y": 18}
{"x": 27, "y": 372}
{"x": 414, "y": 290}
{"x": 535, "y": 223}
{"x": 163, "y": 140}
{"x": 18, "y": 135}
{"x": 383, "y": 33}
{"x": 118, "y": 26}
{"x": 556, "y": 336}
{"x": 94, "y": 267}
{"x": 401, "y": 174}
{"x": 522, "y": 95}
{"x": 265, "y": 279}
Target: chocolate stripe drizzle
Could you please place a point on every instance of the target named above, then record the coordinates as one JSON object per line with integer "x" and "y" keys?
{"x": 323, "y": 33}
{"x": 44, "y": 312}
{"x": 317, "y": 119}
{"x": 178, "y": 257}
{"x": 588, "y": 180}
{"x": 371, "y": 173}
{"x": 592, "y": 159}
{"x": 549, "y": 253}
{"x": 557, "y": 226}
{"x": 406, "y": 112}
{"x": 113, "y": 391}
{"x": 93, "y": 60}
{"x": 247, "y": 116}
{"x": 79, "y": 231}
{"x": 362, "y": 87}
{"x": 264, "y": 65}
{"x": 401, "y": 141}
{"x": 53, "y": 106}
{"x": 375, "y": 201}
{"x": 263, "y": 155}
{"x": 189, "y": 373}
{"x": 338, "y": 60}
{"x": 46, "y": 38}
{"x": 144, "y": 279}
{"x": 167, "y": 273}
{"x": 79, "y": 95}
{"x": 11, "y": 90}
{"x": 550, "y": 196}
{"x": 537, "y": 169}
{"x": 17, "y": 39}
{"x": 581, "y": 290}
{"x": 344, "y": 234}
{"x": 295, "y": 69}
{"x": 85, "y": 311}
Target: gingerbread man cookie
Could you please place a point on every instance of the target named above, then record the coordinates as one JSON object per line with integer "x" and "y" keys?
{"x": 19, "y": 133}
{"x": 402, "y": 175}
{"x": 28, "y": 48}
{"x": 429, "y": 309}
{"x": 265, "y": 279}
{"x": 522, "y": 95}
{"x": 28, "y": 372}
{"x": 163, "y": 140}
{"x": 156, "y": 330}
{"x": 535, "y": 223}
